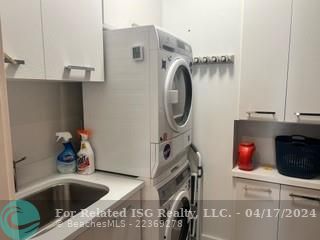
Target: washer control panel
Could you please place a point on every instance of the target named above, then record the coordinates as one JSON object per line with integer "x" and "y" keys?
{"x": 171, "y": 188}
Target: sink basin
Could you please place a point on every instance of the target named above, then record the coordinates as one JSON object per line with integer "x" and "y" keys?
{"x": 67, "y": 196}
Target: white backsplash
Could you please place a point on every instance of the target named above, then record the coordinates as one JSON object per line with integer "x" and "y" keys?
{"x": 263, "y": 134}
{"x": 37, "y": 111}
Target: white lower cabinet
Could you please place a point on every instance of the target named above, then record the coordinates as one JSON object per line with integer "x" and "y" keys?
{"x": 271, "y": 211}
{"x": 302, "y": 218}
{"x": 129, "y": 231}
{"x": 252, "y": 198}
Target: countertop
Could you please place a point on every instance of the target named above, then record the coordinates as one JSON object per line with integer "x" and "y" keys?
{"x": 120, "y": 188}
{"x": 273, "y": 176}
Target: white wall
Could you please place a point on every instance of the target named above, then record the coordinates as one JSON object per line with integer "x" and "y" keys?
{"x": 123, "y": 13}
{"x": 37, "y": 111}
{"x": 212, "y": 27}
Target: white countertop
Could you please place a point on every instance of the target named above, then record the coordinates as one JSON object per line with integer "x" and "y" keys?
{"x": 267, "y": 174}
{"x": 120, "y": 188}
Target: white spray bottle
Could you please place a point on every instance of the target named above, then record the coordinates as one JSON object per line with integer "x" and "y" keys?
{"x": 85, "y": 161}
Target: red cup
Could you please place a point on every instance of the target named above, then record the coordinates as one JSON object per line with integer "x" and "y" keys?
{"x": 245, "y": 154}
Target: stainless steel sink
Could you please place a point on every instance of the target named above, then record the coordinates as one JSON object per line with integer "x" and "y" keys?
{"x": 68, "y": 196}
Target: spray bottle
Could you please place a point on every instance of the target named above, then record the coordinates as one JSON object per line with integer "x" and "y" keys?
{"x": 66, "y": 160}
{"x": 85, "y": 162}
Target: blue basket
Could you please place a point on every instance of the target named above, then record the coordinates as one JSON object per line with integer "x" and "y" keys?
{"x": 298, "y": 156}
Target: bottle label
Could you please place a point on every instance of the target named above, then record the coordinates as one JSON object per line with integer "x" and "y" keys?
{"x": 67, "y": 158}
{"x": 83, "y": 162}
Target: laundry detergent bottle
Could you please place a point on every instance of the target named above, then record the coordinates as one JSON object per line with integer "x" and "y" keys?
{"x": 66, "y": 160}
{"x": 85, "y": 161}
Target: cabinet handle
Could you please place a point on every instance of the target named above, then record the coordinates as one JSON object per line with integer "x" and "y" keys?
{"x": 261, "y": 112}
{"x": 10, "y": 60}
{"x": 315, "y": 199}
{"x": 73, "y": 67}
{"x": 298, "y": 114}
{"x": 265, "y": 190}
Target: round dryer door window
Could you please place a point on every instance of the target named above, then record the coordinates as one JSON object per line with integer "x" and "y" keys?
{"x": 178, "y": 95}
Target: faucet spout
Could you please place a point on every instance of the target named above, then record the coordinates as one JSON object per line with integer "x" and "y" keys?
{"x": 15, "y": 171}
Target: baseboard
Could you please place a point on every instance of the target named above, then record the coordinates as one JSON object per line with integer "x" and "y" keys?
{"x": 208, "y": 237}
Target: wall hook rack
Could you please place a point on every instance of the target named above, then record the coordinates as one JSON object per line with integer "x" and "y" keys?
{"x": 221, "y": 59}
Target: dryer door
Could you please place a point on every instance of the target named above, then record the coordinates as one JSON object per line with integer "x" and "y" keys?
{"x": 178, "y": 95}
{"x": 177, "y": 228}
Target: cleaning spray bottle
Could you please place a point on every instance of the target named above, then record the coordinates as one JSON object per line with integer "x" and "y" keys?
{"x": 85, "y": 162}
{"x": 66, "y": 161}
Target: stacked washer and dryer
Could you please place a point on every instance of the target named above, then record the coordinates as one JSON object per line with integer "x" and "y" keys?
{"x": 141, "y": 118}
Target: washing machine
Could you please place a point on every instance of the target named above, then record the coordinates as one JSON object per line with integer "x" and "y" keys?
{"x": 140, "y": 116}
{"x": 170, "y": 201}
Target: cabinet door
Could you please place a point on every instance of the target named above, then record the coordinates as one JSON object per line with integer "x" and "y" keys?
{"x": 299, "y": 221}
{"x": 265, "y": 48}
{"x": 73, "y": 39}
{"x": 22, "y": 38}
{"x": 254, "y": 198}
{"x": 304, "y": 64}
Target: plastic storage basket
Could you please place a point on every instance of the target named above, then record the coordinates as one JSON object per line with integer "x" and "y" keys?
{"x": 298, "y": 156}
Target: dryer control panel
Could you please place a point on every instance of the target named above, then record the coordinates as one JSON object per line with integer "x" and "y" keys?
{"x": 171, "y": 43}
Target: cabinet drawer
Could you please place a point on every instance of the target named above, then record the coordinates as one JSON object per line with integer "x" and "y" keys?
{"x": 302, "y": 214}
{"x": 254, "y": 197}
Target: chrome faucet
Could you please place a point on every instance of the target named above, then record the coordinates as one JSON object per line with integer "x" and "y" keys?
{"x": 15, "y": 171}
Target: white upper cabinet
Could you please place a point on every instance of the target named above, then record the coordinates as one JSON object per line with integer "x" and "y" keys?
{"x": 53, "y": 39}
{"x": 304, "y": 63}
{"x": 22, "y": 38}
{"x": 73, "y": 39}
{"x": 265, "y": 48}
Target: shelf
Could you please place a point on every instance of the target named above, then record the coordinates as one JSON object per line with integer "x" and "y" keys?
{"x": 267, "y": 174}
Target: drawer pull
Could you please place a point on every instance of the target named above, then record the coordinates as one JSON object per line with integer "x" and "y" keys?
{"x": 73, "y": 67}
{"x": 261, "y": 113}
{"x": 315, "y": 199}
{"x": 298, "y": 114}
{"x": 10, "y": 60}
{"x": 252, "y": 189}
